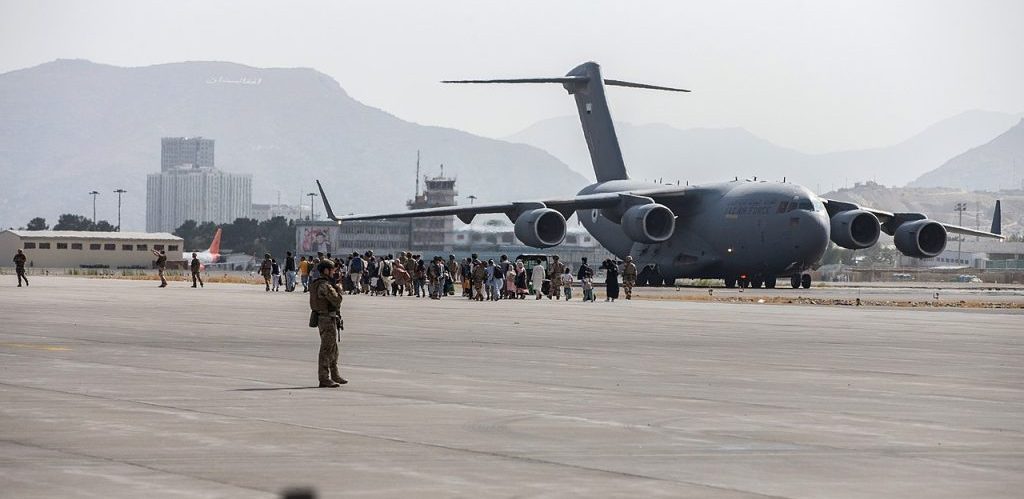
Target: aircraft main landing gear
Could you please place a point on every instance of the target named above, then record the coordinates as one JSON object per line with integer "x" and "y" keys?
{"x": 805, "y": 281}
{"x": 769, "y": 283}
{"x": 730, "y": 282}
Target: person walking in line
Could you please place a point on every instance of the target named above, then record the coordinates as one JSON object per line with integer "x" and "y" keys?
{"x": 537, "y": 273}
{"x": 275, "y": 275}
{"x": 355, "y": 272}
{"x": 479, "y": 276}
{"x": 522, "y": 286}
{"x": 19, "y": 267}
{"x": 161, "y": 266}
{"x": 567, "y": 283}
{"x": 304, "y": 273}
{"x": 586, "y": 277}
{"x": 454, "y": 274}
{"x": 266, "y": 267}
{"x": 510, "y": 282}
{"x": 466, "y": 271}
{"x": 289, "y": 272}
{"x": 611, "y": 280}
{"x": 195, "y": 266}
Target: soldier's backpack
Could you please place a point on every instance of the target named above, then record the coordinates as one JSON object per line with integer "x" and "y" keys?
{"x": 385, "y": 269}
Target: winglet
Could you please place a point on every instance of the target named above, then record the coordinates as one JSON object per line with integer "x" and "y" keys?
{"x": 997, "y": 220}
{"x": 327, "y": 204}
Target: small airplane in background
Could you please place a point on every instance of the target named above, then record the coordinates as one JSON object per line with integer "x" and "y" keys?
{"x": 746, "y": 232}
{"x": 211, "y": 255}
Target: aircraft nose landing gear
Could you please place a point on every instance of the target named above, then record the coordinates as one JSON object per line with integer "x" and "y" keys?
{"x": 798, "y": 281}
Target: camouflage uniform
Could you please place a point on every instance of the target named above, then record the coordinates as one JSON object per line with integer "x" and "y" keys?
{"x": 479, "y": 276}
{"x": 265, "y": 269}
{"x": 195, "y": 267}
{"x": 325, "y": 300}
{"x": 629, "y": 277}
{"x": 19, "y": 267}
{"x": 161, "y": 266}
{"x": 555, "y": 275}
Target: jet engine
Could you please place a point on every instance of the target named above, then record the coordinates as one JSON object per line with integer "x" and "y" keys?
{"x": 649, "y": 223}
{"x": 920, "y": 238}
{"x": 541, "y": 228}
{"x": 855, "y": 229}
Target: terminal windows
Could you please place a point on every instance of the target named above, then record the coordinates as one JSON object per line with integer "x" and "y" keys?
{"x": 110, "y": 247}
{"x": 173, "y": 247}
{"x": 76, "y": 246}
{"x": 158, "y": 247}
{"x": 30, "y": 245}
{"x": 44, "y": 245}
{"x": 62, "y": 245}
{"x": 141, "y": 247}
{"x": 127, "y": 247}
{"x": 94, "y": 246}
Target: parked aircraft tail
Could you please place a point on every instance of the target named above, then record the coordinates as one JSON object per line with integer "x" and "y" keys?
{"x": 215, "y": 245}
{"x": 585, "y": 83}
{"x": 997, "y": 220}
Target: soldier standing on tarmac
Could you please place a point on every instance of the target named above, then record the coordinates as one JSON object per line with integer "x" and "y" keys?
{"x": 195, "y": 267}
{"x": 555, "y": 275}
{"x": 161, "y": 266}
{"x": 19, "y": 267}
{"x": 325, "y": 300}
{"x": 629, "y": 277}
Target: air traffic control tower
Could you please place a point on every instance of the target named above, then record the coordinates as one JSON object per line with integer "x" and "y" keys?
{"x": 432, "y": 236}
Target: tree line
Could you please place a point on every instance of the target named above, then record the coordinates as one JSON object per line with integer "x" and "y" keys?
{"x": 68, "y": 221}
{"x": 244, "y": 235}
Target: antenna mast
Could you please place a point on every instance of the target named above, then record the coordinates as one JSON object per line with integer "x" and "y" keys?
{"x": 417, "y": 174}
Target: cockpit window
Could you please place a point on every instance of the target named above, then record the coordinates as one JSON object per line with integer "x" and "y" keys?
{"x": 805, "y": 204}
{"x": 818, "y": 205}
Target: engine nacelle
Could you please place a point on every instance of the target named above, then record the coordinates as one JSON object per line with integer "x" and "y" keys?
{"x": 855, "y": 229}
{"x": 541, "y": 228}
{"x": 649, "y": 223}
{"x": 920, "y": 238}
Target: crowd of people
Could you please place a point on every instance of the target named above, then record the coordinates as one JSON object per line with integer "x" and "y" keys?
{"x": 473, "y": 278}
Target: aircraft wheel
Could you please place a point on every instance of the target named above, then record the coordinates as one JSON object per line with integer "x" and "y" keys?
{"x": 769, "y": 283}
{"x": 805, "y": 281}
{"x": 730, "y": 282}
{"x": 756, "y": 283}
{"x": 743, "y": 283}
{"x": 794, "y": 281}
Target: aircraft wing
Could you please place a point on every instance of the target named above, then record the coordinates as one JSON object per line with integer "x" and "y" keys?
{"x": 886, "y": 217}
{"x": 565, "y": 206}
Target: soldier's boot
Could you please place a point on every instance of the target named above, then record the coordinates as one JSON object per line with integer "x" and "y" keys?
{"x": 337, "y": 377}
{"x": 327, "y": 383}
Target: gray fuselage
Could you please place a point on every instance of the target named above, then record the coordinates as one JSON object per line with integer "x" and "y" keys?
{"x": 732, "y": 229}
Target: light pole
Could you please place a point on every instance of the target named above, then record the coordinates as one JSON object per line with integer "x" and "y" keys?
{"x": 94, "y": 194}
{"x": 961, "y": 208}
{"x": 119, "y": 192}
{"x": 471, "y": 198}
{"x": 312, "y": 207}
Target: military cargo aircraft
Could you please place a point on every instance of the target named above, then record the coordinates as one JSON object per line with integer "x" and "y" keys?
{"x": 747, "y": 232}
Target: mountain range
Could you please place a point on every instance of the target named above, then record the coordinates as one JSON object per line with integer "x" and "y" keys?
{"x": 990, "y": 166}
{"x": 71, "y": 126}
{"x": 700, "y": 155}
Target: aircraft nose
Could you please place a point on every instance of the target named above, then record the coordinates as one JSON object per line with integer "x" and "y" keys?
{"x": 816, "y": 233}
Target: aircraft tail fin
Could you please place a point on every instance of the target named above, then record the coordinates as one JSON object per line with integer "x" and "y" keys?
{"x": 327, "y": 204}
{"x": 997, "y": 220}
{"x": 586, "y": 85}
{"x": 215, "y": 245}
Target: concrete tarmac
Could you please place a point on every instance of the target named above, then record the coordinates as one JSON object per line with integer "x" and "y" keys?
{"x": 120, "y": 389}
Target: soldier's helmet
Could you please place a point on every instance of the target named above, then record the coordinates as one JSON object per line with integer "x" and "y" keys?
{"x": 324, "y": 265}
{"x": 629, "y": 259}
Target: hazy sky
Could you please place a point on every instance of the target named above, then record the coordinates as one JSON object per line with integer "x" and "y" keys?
{"x": 813, "y": 75}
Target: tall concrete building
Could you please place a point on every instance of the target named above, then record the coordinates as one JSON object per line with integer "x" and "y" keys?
{"x": 177, "y": 151}
{"x": 200, "y": 194}
{"x": 189, "y": 187}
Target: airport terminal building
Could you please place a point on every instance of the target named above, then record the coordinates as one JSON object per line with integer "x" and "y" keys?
{"x": 81, "y": 249}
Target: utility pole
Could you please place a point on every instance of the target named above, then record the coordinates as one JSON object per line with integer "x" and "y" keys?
{"x": 960, "y": 208}
{"x": 94, "y": 194}
{"x": 312, "y": 207}
{"x": 119, "y": 192}
{"x": 417, "y": 176}
{"x": 471, "y": 198}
